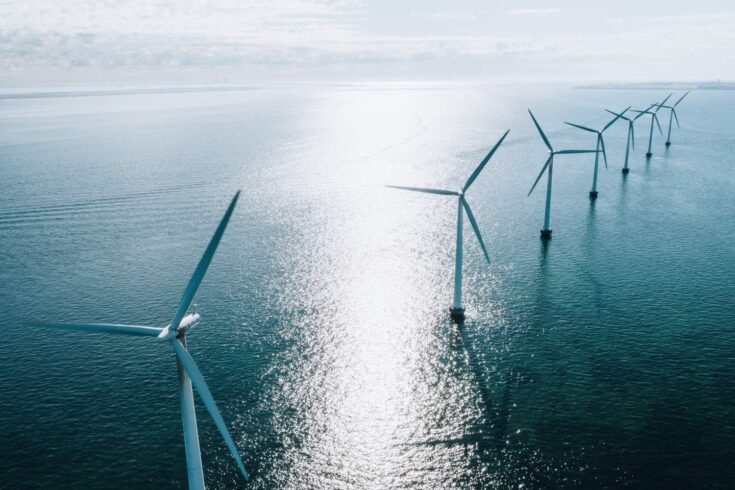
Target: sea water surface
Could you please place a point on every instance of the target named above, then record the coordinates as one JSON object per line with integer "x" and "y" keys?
{"x": 603, "y": 359}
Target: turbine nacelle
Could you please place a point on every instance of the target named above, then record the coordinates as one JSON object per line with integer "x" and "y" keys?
{"x": 188, "y": 322}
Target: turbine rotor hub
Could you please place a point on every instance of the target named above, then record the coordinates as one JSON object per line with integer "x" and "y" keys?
{"x": 167, "y": 333}
{"x": 188, "y": 322}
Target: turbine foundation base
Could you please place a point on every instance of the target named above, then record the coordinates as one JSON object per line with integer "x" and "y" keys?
{"x": 625, "y": 171}
{"x": 593, "y": 194}
{"x": 668, "y": 143}
{"x": 649, "y": 155}
{"x": 546, "y": 234}
{"x": 457, "y": 314}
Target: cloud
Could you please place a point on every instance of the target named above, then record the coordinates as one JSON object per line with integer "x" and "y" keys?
{"x": 160, "y": 33}
{"x": 534, "y": 11}
{"x": 85, "y": 35}
{"x": 308, "y": 46}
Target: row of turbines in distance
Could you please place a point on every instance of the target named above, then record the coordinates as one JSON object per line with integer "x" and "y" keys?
{"x": 190, "y": 377}
{"x": 463, "y": 207}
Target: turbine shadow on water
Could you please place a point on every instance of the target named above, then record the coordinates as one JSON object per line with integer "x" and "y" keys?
{"x": 496, "y": 414}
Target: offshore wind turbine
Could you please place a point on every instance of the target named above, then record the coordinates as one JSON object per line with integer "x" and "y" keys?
{"x": 546, "y": 231}
{"x": 630, "y": 141}
{"x": 600, "y": 145}
{"x": 189, "y": 374}
{"x": 456, "y": 311}
{"x": 672, "y": 115}
{"x": 654, "y": 118}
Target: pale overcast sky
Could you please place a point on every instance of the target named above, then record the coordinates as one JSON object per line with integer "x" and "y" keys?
{"x": 43, "y": 41}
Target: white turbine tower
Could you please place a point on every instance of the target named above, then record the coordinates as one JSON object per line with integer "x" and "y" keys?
{"x": 456, "y": 310}
{"x": 189, "y": 374}
{"x": 654, "y": 118}
{"x": 600, "y": 145}
{"x": 672, "y": 115}
{"x": 630, "y": 141}
{"x": 546, "y": 231}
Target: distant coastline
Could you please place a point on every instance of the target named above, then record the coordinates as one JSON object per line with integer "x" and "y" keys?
{"x": 718, "y": 85}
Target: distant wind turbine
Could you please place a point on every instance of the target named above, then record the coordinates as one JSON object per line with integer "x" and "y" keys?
{"x": 672, "y": 115}
{"x": 654, "y": 118}
{"x": 189, "y": 374}
{"x": 456, "y": 310}
{"x": 546, "y": 231}
{"x": 630, "y": 141}
{"x": 600, "y": 146}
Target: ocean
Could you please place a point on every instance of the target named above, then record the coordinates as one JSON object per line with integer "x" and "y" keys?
{"x": 603, "y": 358}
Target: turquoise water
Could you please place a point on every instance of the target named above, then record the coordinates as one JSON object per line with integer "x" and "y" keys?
{"x": 602, "y": 359}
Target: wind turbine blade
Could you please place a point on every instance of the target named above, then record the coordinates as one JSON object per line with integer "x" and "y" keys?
{"x": 604, "y": 153}
{"x": 541, "y": 132}
{"x": 617, "y": 116}
{"x": 663, "y": 101}
{"x": 655, "y": 118}
{"x": 201, "y": 386}
{"x": 640, "y": 113}
{"x": 584, "y": 128}
{"x": 475, "y": 227}
{"x": 543, "y": 169}
{"x": 483, "y": 163}
{"x": 103, "y": 328}
{"x": 681, "y": 98}
{"x": 574, "y": 152}
{"x": 428, "y": 191}
{"x": 201, "y": 269}
{"x": 676, "y": 117}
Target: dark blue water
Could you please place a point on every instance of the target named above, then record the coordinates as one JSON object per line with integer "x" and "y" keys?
{"x": 603, "y": 359}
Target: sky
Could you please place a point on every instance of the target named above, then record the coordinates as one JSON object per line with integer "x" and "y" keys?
{"x": 204, "y": 41}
